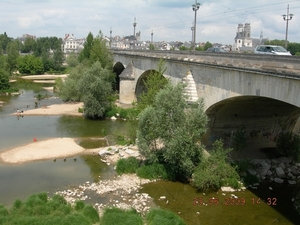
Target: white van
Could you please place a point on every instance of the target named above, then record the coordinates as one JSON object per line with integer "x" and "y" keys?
{"x": 271, "y": 50}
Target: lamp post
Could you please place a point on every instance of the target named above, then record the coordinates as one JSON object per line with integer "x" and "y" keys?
{"x": 195, "y": 6}
{"x": 286, "y": 18}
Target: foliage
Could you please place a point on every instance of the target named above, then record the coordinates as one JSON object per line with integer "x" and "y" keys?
{"x": 12, "y": 55}
{"x": 163, "y": 217}
{"x": 288, "y": 143}
{"x": 275, "y": 42}
{"x": 100, "y": 52}
{"x": 30, "y": 64}
{"x": 294, "y": 48}
{"x": 91, "y": 85}
{"x": 4, "y": 80}
{"x": 151, "y": 47}
{"x": 183, "y": 48}
{"x": 207, "y": 46}
{"x": 128, "y": 165}
{"x": 37, "y": 209}
{"x": 215, "y": 171}
{"x": 85, "y": 53}
{"x": 242, "y": 165}
{"x": 153, "y": 84}
{"x": 117, "y": 216}
{"x": 72, "y": 59}
{"x": 4, "y": 40}
{"x": 153, "y": 171}
{"x": 239, "y": 140}
{"x": 95, "y": 87}
{"x": 169, "y": 132}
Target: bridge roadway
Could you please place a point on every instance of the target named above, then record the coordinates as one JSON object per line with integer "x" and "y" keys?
{"x": 258, "y": 92}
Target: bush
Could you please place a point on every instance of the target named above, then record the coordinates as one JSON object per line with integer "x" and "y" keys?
{"x": 38, "y": 210}
{"x": 79, "y": 205}
{"x": 91, "y": 213}
{"x": 128, "y": 165}
{"x": 214, "y": 170}
{"x": 117, "y": 216}
{"x": 152, "y": 171}
{"x": 288, "y": 144}
{"x": 163, "y": 217}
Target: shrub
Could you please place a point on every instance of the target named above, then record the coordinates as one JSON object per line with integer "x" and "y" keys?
{"x": 163, "y": 217}
{"x": 214, "y": 170}
{"x": 117, "y": 216}
{"x": 288, "y": 144}
{"x": 79, "y": 205}
{"x": 152, "y": 171}
{"x": 91, "y": 213}
{"x": 128, "y": 165}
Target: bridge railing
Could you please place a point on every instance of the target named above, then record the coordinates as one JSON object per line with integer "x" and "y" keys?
{"x": 271, "y": 64}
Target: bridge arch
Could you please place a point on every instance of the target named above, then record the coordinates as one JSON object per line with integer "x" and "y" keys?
{"x": 262, "y": 119}
{"x": 118, "y": 68}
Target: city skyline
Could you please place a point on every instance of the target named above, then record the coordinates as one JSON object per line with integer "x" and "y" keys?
{"x": 170, "y": 20}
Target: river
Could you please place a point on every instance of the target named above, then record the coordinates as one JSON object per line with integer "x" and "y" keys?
{"x": 19, "y": 181}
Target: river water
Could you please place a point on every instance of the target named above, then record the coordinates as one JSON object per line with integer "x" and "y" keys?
{"x": 19, "y": 181}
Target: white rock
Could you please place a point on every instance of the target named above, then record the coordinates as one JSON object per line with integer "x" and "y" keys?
{"x": 113, "y": 118}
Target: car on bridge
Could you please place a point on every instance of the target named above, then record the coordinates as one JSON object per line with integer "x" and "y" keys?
{"x": 215, "y": 49}
{"x": 271, "y": 50}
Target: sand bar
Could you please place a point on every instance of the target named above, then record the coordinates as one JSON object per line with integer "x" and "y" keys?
{"x": 56, "y": 109}
{"x": 42, "y": 150}
{"x": 44, "y": 77}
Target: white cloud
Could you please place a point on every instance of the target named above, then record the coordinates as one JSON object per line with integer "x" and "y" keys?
{"x": 217, "y": 20}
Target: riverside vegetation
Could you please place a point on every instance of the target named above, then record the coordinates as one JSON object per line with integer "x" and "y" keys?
{"x": 169, "y": 130}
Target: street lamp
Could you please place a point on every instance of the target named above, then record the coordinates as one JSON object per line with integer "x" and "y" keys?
{"x": 195, "y": 6}
{"x": 286, "y": 18}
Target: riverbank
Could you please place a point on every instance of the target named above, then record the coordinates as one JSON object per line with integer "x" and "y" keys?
{"x": 42, "y": 150}
{"x": 70, "y": 109}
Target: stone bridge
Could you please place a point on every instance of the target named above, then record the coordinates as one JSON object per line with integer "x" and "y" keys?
{"x": 257, "y": 93}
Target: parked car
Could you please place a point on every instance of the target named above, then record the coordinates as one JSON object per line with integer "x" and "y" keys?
{"x": 271, "y": 50}
{"x": 215, "y": 49}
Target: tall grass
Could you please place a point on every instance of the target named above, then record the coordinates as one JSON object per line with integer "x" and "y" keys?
{"x": 152, "y": 171}
{"x": 39, "y": 210}
{"x": 115, "y": 216}
{"x": 163, "y": 217}
{"x": 128, "y": 165}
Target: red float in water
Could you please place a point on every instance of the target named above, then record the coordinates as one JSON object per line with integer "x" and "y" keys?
{"x": 34, "y": 139}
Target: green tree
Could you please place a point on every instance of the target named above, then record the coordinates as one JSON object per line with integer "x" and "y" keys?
{"x": 95, "y": 87}
{"x": 294, "y": 48}
{"x": 4, "y": 80}
{"x": 28, "y": 46}
{"x": 100, "y": 52}
{"x": 72, "y": 59}
{"x": 4, "y": 40}
{"x": 215, "y": 170}
{"x": 169, "y": 132}
{"x": 86, "y": 51}
{"x": 68, "y": 90}
{"x": 207, "y": 45}
{"x": 154, "y": 82}
{"x": 12, "y": 55}
{"x": 151, "y": 47}
{"x": 30, "y": 64}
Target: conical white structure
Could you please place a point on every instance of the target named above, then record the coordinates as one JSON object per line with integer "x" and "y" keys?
{"x": 190, "y": 90}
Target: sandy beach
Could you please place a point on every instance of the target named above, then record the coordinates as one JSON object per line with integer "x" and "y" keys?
{"x": 58, "y": 109}
{"x": 42, "y": 150}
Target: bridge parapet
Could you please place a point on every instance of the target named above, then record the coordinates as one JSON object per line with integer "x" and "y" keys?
{"x": 270, "y": 64}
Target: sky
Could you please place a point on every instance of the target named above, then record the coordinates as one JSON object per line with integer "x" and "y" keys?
{"x": 169, "y": 20}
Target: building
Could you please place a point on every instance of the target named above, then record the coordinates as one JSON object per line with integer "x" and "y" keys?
{"x": 72, "y": 44}
{"x": 243, "y": 40}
